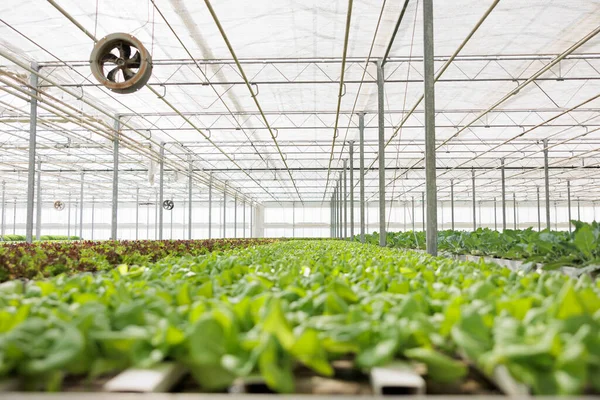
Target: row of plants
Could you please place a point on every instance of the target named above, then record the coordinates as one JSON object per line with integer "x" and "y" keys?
{"x": 21, "y": 238}
{"x": 45, "y": 259}
{"x": 552, "y": 249}
{"x": 273, "y": 309}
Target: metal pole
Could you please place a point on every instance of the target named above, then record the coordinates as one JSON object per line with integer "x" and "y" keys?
{"x": 161, "y": 184}
{"x": 381, "y": 152}
{"x": 251, "y": 220}
{"x": 33, "y": 80}
{"x": 93, "y": 205}
{"x": 76, "y": 205}
{"x": 361, "y": 147}
{"x": 345, "y": 200}
{"x": 244, "y": 219}
{"x": 38, "y": 209}
{"x": 225, "y": 211}
{"x": 3, "y": 210}
{"x": 514, "y": 211}
{"x": 539, "y": 213}
{"x": 413, "y": 213}
{"x": 333, "y": 205}
{"x": 15, "y": 217}
{"x": 341, "y": 206}
{"x": 156, "y": 207}
{"x": 452, "y": 202}
{"x": 293, "y": 219}
{"x": 569, "y": 204}
{"x": 429, "y": 95}
{"x": 351, "y": 143}
{"x": 190, "y": 184}
{"x": 503, "y": 194}
{"x": 210, "y": 207}
{"x": 474, "y": 215}
{"x": 495, "y": 215}
{"x": 423, "y": 210}
{"x": 115, "y": 187}
{"x": 578, "y": 209}
{"x": 69, "y": 219}
{"x": 148, "y": 220}
{"x": 235, "y": 217}
{"x": 555, "y": 217}
{"x": 171, "y": 213}
{"x": 137, "y": 212}
{"x": 81, "y": 208}
{"x": 547, "y": 182}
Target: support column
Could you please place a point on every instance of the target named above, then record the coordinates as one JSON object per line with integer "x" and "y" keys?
{"x": 547, "y": 183}
{"x": 361, "y": 148}
{"x": 137, "y": 212}
{"x": 190, "y": 204}
{"x": 81, "y": 209}
{"x": 423, "y": 210}
{"x": 539, "y": 213}
{"x": 351, "y": 147}
{"x": 244, "y": 219}
{"x": 235, "y": 217}
{"x": 495, "y": 216}
{"x": 33, "y": 81}
{"x": 452, "y": 202}
{"x": 413, "y": 213}
{"x": 15, "y": 217}
{"x": 210, "y": 207}
{"x": 252, "y": 210}
{"x": 115, "y": 186}
{"x": 514, "y": 211}
{"x": 161, "y": 183}
{"x": 225, "y": 211}
{"x": 293, "y": 219}
{"x": 38, "y": 205}
{"x": 334, "y": 211}
{"x": 578, "y": 209}
{"x": 381, "y": 152}
{"x": 503, "y": 195}
{"x": 3, "y": 211}
{"x": 156, "y": 207}
{"x": 474, "y": 214}
{"x": 569, "y": 205}
{"x": 69, "y": 218}
{"x": 430, "y": 167}
{"x": 93, "y": 205}
{"x": 345, "y": 200}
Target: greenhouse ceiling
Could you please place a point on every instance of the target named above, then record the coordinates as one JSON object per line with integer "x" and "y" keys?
{"x": 266, "y": 96}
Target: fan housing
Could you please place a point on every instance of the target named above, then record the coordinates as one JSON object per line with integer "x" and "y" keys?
{"x": 121, "y": 63}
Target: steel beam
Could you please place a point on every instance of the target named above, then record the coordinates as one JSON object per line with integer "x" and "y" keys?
{"x": 38, "y": 205}
{"x": 3, "y": 226}
{"x": 93, "y": 219}
{"x": 452, "y": 203}
{"x": 569, "y": 205}
{"x": 503, "y": 178}
{"x": 413, "y": 212}
{"x": 578, "y": 209}
{"x": 429, "y": 95}
{"x": 225, "y": 212}
{"x": 115, "y": 183}
{"x": 539, "y": 212}
{"x": 81, "y": 208}
{"x": 381, "y": 152}
{"x": 15, "y": 217}
{"x": 210, "y": 207}
{"x": 33, "y": 82}
{"x": 235, "y": 217}
{"x": 137, "y": 212}
{"x": 495, "y": 215}
{"x": 190, "y": 204}
{"x": 161, "y": 184}
{"x": 351, "y": 150}
{"x": 514, "y": 211}
{"x": 547, "y": 182}
{"x": 345, "y": 200}
{"x": 244, "y": 219}
{"x": 361, "y": 178}
{"x": 474, "y": 196}
{"x": 423, "y": 206}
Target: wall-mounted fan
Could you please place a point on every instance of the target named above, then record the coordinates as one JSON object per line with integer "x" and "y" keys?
{"x": 120, "y": 62}
{"x": 168, "y": 204}
{"x": 59, "y": 205}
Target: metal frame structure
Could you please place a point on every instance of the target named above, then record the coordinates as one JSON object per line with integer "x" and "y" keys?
{"x": 265, "y": 127}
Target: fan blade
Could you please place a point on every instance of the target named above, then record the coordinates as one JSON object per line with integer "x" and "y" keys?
{"x": 112, "y": 74}
{"x": 108, "y": 58}
{"x": 135, "y": 61}
{"x": 128, "y": 74}
{"x": 124, "y": 50}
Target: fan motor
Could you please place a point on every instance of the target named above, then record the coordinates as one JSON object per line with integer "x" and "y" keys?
{"x": 120, "y": 62}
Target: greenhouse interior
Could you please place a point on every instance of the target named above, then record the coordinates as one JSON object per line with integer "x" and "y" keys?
{"x": 204, "y": 199}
